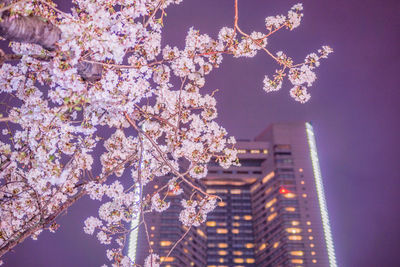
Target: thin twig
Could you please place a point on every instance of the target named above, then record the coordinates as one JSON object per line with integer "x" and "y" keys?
{"x": 56, "y": 9}
{"x": 154, "y": 12}
{"x": 179, "y": 109}
{"x": 163, "y": 157}
{"x": 248, "y": 36}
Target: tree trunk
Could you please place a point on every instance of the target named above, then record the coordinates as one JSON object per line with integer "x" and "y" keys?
{"x": 35, "y": 30}
{"x": 31, "y": 29}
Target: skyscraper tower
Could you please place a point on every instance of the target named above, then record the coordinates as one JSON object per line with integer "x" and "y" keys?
{"x": 273, "y": 210}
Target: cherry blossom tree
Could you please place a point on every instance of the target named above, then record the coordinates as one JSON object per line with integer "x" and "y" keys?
{"x": 101, "y": 66}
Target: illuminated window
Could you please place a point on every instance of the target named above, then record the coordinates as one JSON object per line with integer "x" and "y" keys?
{"x": 290, "y": 209}
{"x": 151, "y": 242}
{"x": 311, "y": 237}
{"x": 302, "y": 182}
{"x": 250, "y": 260}
{"x": 275, "y": 245}
{"x": 221, "y": 260}
{"x": 222, "y": 231}
{"x": 265, "y": 151}
{"x": 235, "y": 231}
{"x": 309, "y": 230}
{"x": 221, "y": 224}
{"x": 211, "y": 245}
{"x": 236, "y": 224}
{"x": 241, "y": 151}
{"x": 304, "y": 195}
{"x": 295, "y": 237}
{"x": 170, "y": 193}
{"x": 293, "y": 230}
{"x": 297, "y": 253}
{"x": 151, "y": 235}
{"x": 238, "y": 253}
{"x": 255, "y": 187}
{"x": 269, "y": 189}
{"x": 217, "y": 191}
{"x": 297, "y": 261}
{"x": 300, "y": 170}
{"x": 222, "y": 204}
{"x": 268, "y": 177}
{"x": 295, "y": 223}
{"x": 247, "y": 217}
{"x": 289, "y": 195}
{"x": 222, "y": 253}
{"x": 191, "y": 263}
{"x": 186, "y": 250}
{"x": 272, "y": 209}
{"x": 236, "y": 191}
{"x": 262, "y": 247}
{"x": 211, "y": 265}
{"x": 270, "y": 203}
{"x": 272, "y": 216}
{"x": 165, "y": 243}
{"x": 211, "y": 223}
{"x": 222, "y": 191}
{"x": 201, "y": 233}
{"x": 254, "y": 151}
{"x": 167, "y": 259}
{"x": 222, "y": 245}
{"x": 312, "y": 245}
{"x": 236, "y": 217}
{"x": 153, "y": 228}
{"x": 156, "y": 186}
{"x": 238, "y": 260}
{"x": 249, "y": 245}
{"x": 313, "y": 253}
{"x": 314, "y": 261}
{"x": 308, "y": 223}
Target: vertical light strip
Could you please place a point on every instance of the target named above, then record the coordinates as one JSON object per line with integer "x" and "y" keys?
{"x": 133, "y": 236}
{"x": 321, "y": 195}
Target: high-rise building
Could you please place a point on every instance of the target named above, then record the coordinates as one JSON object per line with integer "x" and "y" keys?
{"x": 273, "y": 210}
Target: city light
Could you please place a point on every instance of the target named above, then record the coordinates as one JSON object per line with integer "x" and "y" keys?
{"x": 133, "y": 236}
{"x": 321, "y": 195}
{"x": 283, "y": 190}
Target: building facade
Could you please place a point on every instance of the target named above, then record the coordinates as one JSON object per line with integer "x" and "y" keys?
{"x": 273, "y": 210}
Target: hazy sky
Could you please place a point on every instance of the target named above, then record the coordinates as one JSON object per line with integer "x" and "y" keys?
{"x": 354, "y": 109}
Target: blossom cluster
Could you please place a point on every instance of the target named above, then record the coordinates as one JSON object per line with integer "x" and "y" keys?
{"x": 195, "y": 212}
{"x": 291, "y": 21}
{"x": 158, "y": 204}
{"x": 300, "y": 75}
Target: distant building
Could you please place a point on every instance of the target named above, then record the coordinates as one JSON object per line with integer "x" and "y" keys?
{"x": 273, "y": 210}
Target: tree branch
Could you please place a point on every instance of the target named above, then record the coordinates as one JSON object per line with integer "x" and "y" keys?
{"x": 43, "y": 222}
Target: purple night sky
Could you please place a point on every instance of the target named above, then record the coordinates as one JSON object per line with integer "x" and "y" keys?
{"x": 354, "y": 109}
